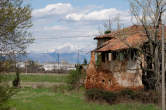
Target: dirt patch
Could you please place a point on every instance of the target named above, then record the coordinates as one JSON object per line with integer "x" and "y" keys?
{"x": 40, "y": 84}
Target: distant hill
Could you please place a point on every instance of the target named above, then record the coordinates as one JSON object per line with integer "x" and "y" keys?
{"x": 53, "y": 57}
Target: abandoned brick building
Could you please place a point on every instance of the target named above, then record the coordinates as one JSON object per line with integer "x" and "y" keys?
{"x": 113, "y": 64}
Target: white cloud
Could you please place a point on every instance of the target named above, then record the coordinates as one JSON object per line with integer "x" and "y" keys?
{"x": 63, "y": 48}
{"x": 103, "y": 14}
{"x": 69, "y": 47}
{"x": 53, "y": 9}
{"x": 66, "y": 48}
{"x": 55, "y": 28}
{"x": 57, "y": 23}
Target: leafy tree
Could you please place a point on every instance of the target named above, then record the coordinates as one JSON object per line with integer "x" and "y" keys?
{"x": 74, "y": 78}
{"x": 85, "y": 61}
{"x": 15, "y": 20}
{"x": 16, "y": 82}
{"x": 33, "y": 67}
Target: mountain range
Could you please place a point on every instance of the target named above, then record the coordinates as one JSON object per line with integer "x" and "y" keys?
{"x": 72, "y": 58}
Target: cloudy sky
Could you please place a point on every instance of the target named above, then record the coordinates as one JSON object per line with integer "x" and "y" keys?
{"x": 69, "y": 25}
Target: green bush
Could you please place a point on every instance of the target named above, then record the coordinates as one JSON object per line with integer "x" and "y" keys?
{"x": 93, "y": 94}
{"x": 97, "y": 94}
{"x": 74, "y": 78}
{"x": 109, "y": 97}
{"x": 98, "y": 60}
{"x": 107, "y": 32}
{"x": 148, "y": 96}
{"x": 127, "y": 93}
{"x": 123, "y": 95}
{"x": 6, "y": 93}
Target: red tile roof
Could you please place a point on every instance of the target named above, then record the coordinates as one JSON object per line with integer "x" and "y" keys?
{"x": 115, "y": 44}
{"x": 129, "y": 30}
{"x": 130, "y": 37}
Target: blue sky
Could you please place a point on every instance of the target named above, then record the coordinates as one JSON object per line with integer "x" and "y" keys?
{"x": 119, "y": 4}
{"x": 69, "y": 25}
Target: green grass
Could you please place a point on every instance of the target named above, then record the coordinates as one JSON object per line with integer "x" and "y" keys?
{"x": 47, "y": 99}
{"x": 38, "y": 78}
{"x": 60, "y": 99}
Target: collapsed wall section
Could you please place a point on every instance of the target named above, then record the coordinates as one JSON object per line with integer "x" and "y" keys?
{"x": 112, "y": 80}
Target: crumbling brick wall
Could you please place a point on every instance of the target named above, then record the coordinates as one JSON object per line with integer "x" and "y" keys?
{"x": 112, "y": 80}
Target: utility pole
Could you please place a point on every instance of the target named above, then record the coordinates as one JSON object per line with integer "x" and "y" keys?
{"x": 26, "y": 68}
{"x": 163, "y": 71}
{"x": 58, "y": 62}
{"x": 78, "y": 57}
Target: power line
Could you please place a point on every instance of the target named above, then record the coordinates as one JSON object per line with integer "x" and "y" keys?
{"x": 66, "y": 31}
{"x": 63, "y": 35}
{"x": 80, "y": 51}
{"x": 63, "y": 38}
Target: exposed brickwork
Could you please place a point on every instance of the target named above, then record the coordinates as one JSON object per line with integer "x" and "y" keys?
{"x": 111, "y": 81}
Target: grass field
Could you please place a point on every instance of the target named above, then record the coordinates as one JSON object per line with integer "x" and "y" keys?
{"x": 38, "y": 77}
{"x": 49, "y": 98}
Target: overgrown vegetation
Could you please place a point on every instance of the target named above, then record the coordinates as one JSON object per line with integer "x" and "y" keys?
{"x": 46, "y": 99}
{"x": 98, "y": 60}
{"x": 6, "y": 93}
{"x": 75, "y": 78}
{"x": 126, "y": 95}
{"x": 150, "y": 14}
{"x": 107, "y": 32}
{"x": 60, "y": 97}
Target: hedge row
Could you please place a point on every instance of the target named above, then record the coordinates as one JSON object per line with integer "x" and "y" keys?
{"x": 121, "y": 96}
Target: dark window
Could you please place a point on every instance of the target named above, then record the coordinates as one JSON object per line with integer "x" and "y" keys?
{"x": 103, "y": 57}
{"x": 114, "y": 56}
{"x": 121, "y": 56}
